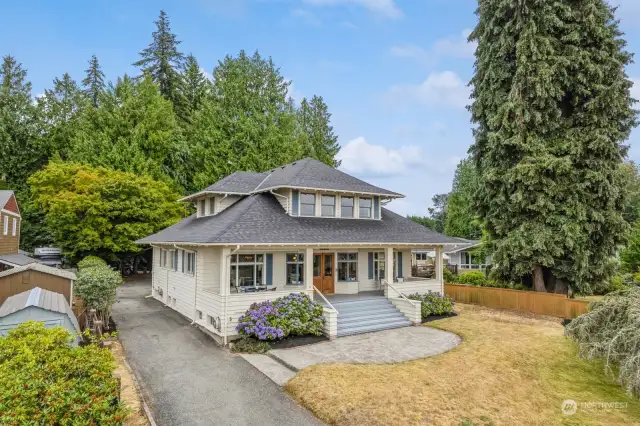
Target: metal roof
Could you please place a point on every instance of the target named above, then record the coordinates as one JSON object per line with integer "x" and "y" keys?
{"x": 39, "y": 298}
{"x": 260, "y": 219}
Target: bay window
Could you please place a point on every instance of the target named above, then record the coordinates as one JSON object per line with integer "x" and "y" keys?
{"x": 346, "y": 207}
{"x": 295, "y": 269}
{"x": 328, "y": 208}
{"x": 365, "y": 208}
{"x": 247, "y": 270}
{"x": 307, "y": 204}
{"x": 347, "y": 266}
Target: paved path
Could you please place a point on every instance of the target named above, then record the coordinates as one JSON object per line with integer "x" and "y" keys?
{"x": 189, "y": 380}
{"x": 381, "y": 347}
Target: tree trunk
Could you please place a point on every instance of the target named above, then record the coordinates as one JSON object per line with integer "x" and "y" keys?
{"x": 561, "y": 287}
{"x": 538, "y": 279}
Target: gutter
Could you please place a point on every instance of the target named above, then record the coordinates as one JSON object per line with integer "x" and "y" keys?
{"x": 227, "y": 261}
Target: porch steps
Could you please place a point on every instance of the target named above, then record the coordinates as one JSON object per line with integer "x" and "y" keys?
{"x": 368, "y": 315}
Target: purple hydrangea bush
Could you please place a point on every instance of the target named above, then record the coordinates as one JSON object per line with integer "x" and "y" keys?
{"x": 292, "y": 315}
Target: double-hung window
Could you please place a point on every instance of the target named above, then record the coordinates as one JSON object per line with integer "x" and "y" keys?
{"x": 212, "y": 205}
{"x": 163, "y": 258}
{"x": 6, "y": 225}
{"x": 15, "y": 227}
{"x": 189, "y": 266}
{"x": 379, "y": 266}
{"x": 307, "y": 204}
{"x": 347, "y": 266}
{"x": 201, "y": 206}
{"x": 346, "y": 207}
{"x": 295, "y": 269}
{"x": 328, "y": 205}
{"x": 174, "y": 261}
{"x": 365, "y": 208}
{"x": 247, "y": 270}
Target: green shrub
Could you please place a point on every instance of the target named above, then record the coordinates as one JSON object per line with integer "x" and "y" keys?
{"x": 448, "y": 276}
{"x": 635, "y": 278}
{"x": 43, "y": 380}
{"x": 433, "y": 304}
{"x": 611, "y": 330}
{"x": 91, "y": 262}
{"x": 97, "y": 286}
{"x": 251, "y": 346}
{"x": 473, "y": 278}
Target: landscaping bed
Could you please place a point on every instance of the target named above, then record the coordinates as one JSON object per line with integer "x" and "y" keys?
{"x": 511, "y": 368}
{"x": 438, "y": 317}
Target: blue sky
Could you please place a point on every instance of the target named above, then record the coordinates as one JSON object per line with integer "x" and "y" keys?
{"x": 393, "y": 72}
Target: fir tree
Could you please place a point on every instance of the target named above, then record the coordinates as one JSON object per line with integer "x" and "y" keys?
{"x": 162, "y": 60}
{"x": 461, "y": 219}
{"x": 195, "y": 86}
{"x": 93, "y": 83}
{"x": 315, "y": 131}
{"x": 552, "y": 107}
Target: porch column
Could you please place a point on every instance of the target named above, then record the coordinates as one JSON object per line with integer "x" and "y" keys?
{"x": 308, "y": 270}
{"x": 224, "y": 271}
{"x": 439, "y": 265}
{"x": 388, "y": 271}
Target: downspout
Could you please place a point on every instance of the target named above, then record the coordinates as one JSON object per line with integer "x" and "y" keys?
{"x": 227, "y": 261}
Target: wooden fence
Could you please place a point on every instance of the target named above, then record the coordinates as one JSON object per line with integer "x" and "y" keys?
{"x": 556, "y": 305}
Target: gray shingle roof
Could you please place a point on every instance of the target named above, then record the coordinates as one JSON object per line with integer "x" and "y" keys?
{"x": 4, "y": 197}
{"x": 310, "y": 173}
{"x": 16, "y": 259}
{"x": 38, "y": 298}
{"x": 260, "y": 219}
{"x": 463, "y": 244}
{"x": 306, "y": 173}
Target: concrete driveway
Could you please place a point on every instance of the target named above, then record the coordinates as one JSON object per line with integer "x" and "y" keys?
{"x": 186, "y": 378}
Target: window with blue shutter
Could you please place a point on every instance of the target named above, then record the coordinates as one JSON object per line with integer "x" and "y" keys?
{"x": 376, "y": 207}
{"x": 370, "y": 266}
{"x": 269, "y": 269}
{"x": 400, "y": 264}
{"x": 294, "y": 202}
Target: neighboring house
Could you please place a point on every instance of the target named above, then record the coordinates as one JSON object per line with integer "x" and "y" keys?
{"x": 463, "y": 256}
{"x": 23, "y": 278}
{"x": 10, "y": 227}
{"x": 421, "y": 257}
{"x": 37, "y": 304}
{"x": 301, "y": 228}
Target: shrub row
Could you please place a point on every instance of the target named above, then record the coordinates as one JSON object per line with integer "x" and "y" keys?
{"x": 292, "y": 315}
{"x": 433, "y": 304}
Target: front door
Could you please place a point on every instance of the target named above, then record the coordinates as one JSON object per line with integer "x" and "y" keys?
{"x": 323, "y": 272}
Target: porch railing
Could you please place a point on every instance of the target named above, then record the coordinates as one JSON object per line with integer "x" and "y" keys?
{"x": 325, "y": 299}
{"x": 413, "y": 302}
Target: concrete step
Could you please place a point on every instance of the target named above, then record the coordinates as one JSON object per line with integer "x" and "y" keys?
{"x": 270, "y": 368}
{"x": 367, "y": 310}
{"x": 373, "y": 327}
{"x": 373, "y": 322}
{"x": 375, "y": 315}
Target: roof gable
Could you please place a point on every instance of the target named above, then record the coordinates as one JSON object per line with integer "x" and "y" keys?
{"x": 40, "y": 268}
{"x": 8, "y": 201}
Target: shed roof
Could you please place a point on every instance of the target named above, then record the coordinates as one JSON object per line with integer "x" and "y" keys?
{"x": 16, "y": 259}
{"x": 39, "y": 298}
{"x": 40, "y": 268}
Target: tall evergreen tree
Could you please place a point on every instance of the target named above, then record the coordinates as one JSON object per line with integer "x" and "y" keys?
{"x": 461, "y": 218}
{"x": 315, "y": 131}
{"x": 552, "y": 107}
{"x": 93, "y": 82}
{"x": 248, "y": 122}
{"x": 195, "y": 86}
{"x": 162, "y": 61}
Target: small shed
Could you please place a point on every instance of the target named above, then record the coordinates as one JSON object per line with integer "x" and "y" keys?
{"x": 37, "y": 305}
{"x": 22, "y": 278}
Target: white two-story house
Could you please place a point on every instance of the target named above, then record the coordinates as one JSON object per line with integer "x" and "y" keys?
{"x": 304, "y": 227}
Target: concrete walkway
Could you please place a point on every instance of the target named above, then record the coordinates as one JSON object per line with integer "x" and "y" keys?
{"x": 382, "y": 347}
{"x": 186, "y": 378}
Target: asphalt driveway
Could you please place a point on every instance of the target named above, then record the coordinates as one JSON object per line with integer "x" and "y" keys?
{"x": 186, "y": 378}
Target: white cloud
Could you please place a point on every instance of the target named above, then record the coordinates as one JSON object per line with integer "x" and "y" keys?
{"x": 307, "y": 17}
{"x": 362, "y": 158}
{"x": 207, "y": 74}
{"x": 635, "y": 89}
{"x": 439, "y": 89}
{"x": 455, "y": 47}
{"x": 384, "y": 8}
{"x": 293, "y": 93}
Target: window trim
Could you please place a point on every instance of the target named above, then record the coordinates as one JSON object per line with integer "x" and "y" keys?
{"x": 370, "y": 208}
{"x": 234, "y": 265}
{"x": 188, "y": 268}
{"x": 352, "y": 206}
{"x": 6, "y": 225}
{"x": 347, "y": 262}
{"x": 322, "y": 204}
{"x": 300, "y": 263}
{"x": 212, "y": 206}
{"x": 15, "y": 227}
{"x": 300, "y": 203}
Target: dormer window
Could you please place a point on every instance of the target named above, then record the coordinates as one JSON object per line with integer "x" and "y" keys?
{"x": 328, "y": 206}
{"x": 365, "y": 208}
{"x": 212, "y": 205}
{"x": 346, "y": 207}
{"x": 307, "y": 204}
{"x": 201, "y": 206}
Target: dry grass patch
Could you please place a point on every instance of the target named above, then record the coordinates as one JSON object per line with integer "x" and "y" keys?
{"x": 511, "y": 369}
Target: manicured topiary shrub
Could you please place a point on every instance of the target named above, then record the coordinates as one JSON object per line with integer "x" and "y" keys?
{"x": 472, "y": 278}
{"x": 291, "y": 315}
{"x": 45, "y": 381}
{"x": 91, "y": 262}
{"x": 433, "y": 304}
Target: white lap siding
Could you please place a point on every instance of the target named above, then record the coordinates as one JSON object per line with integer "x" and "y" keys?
{"x": 364, "y": 283}
{"x": 159, "y": 278}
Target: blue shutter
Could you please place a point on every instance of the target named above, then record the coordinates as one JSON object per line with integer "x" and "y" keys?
{"x": 370, "y": 266}
{"x": 294, "y": 202}
{"x": 376, "y": 207}
{"x": 400, "y": 264}
{"x": 269, "y": 269}
{"x": 182, "y": 261}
